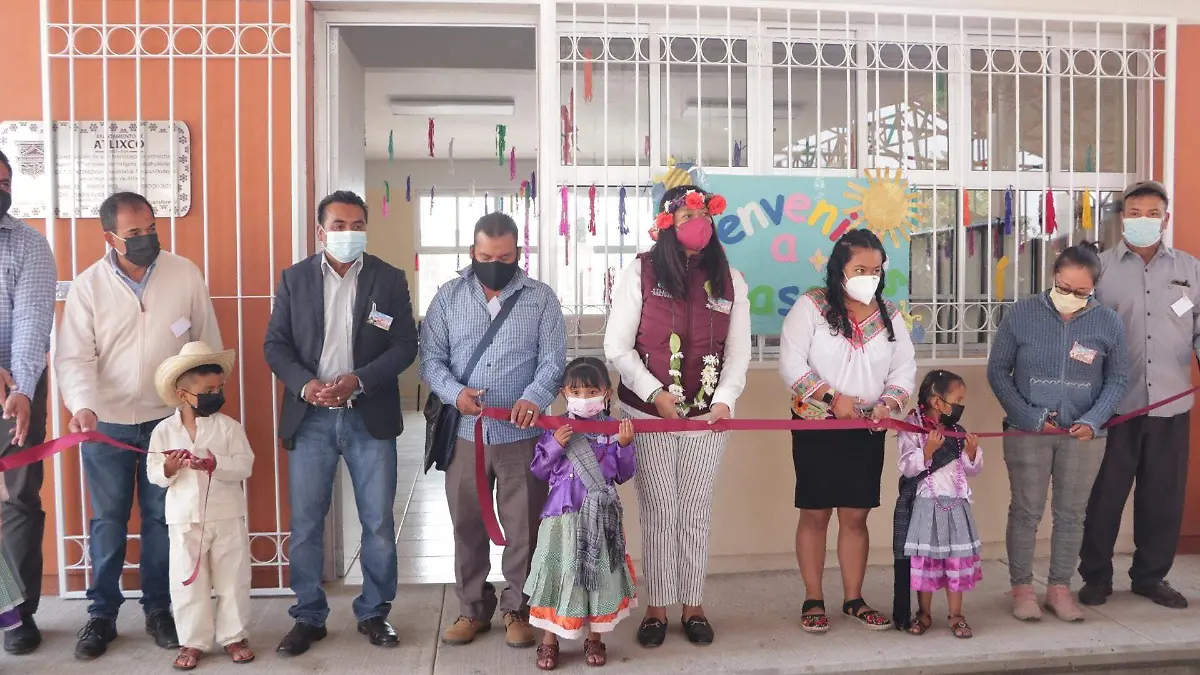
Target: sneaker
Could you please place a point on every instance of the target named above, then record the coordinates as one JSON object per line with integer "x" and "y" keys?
{"x": 1059, "y": 601}
{"x": 1094, "y": 595}
{"x": 464, "y": 631}
{"x": 94, "y": 638}
{"x": 1025, "y": 605}
{"x": 517, "y": 631}
{"x": 1161, "y": 593}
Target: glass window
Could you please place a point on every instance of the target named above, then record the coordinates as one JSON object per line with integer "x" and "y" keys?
{"x": 907, "y": 108}
{"x": 704, "y": 106}
{"x": 813, "y": 105}
{"x": 1099, "y": 113}
{"x": 1009, "y": 116}
{"x": 605, "y": 90}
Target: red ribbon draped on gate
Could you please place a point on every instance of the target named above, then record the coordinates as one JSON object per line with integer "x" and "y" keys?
{"x": 483, "y": 487}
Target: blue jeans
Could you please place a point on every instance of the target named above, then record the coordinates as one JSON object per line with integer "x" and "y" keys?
{"x": 111, "y": 475}
{"x": 323, "y": 436}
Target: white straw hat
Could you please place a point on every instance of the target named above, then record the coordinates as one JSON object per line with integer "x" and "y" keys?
{"x": 192, "y": 355}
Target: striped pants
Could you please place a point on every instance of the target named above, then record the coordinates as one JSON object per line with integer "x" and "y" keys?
{"x": 675, "y": 479}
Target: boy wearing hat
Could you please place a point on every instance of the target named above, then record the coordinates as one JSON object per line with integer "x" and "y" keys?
{"x": 199, "y": 451}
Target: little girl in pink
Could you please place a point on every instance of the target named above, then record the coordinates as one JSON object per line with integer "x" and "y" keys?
{"x": 942, "y": 540}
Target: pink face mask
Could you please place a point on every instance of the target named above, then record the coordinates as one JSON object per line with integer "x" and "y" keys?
{"x": 695, "y": 233}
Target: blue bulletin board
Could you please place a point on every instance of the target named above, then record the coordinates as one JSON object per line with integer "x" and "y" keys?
{"x": 778, "y": 232}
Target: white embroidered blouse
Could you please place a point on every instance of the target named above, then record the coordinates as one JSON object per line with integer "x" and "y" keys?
{"x": 866, "y": 366}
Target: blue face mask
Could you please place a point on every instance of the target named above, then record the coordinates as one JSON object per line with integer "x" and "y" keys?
{"x": 1143, "y": 232}
{"x": 345, "y": 246}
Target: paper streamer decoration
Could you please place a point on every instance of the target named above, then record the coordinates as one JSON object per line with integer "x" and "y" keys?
{"x": 533, "y": 185}
{"x": 646, "y": 147}
{"x": 391, "y": 148}
{"x": 528, "y": 202}
{"x": 587, "y": 74}
{"x": 1001, "y": 271}
{"x": 501, "y": 142}
{"x": 967, "y": 223}
{"x": 1089, "y": 159}
{"x": 1008, "y": 211}
{"x": 1086, "y": 205}
{"x": 431, "y": 189}
{"x": 737, "y": 153}
{"x": 431, "y": 137}
{"x": 566, "y": 135}
{"x": 563, "y": 224}
{"x": 512, "y": 164}
{"x": 486, "y": 202}
{"x": 416, "y": 262}
{"x": 1051, "y": 218}
{"x": 450, "y": 154}
{"x": 387, "y": 192}
{"x": 592, "y": 210}
{"x": 472, "y": 190}
{"x": 408, "y": 189}
{"x": 500, "y": 204}
{"x": 609, "y": 277}
{"x": 383, "y": 207}
{"x": 621, "y": 213}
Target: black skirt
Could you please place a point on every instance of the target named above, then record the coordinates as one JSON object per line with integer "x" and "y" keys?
{"x": 837, "y": 469}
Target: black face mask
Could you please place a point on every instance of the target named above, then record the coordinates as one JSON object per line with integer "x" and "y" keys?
{"x": 142, "y": 250}
{"x": 208, "y": 404}
{"x": 5, "y": 203}
{"x": 495, "y": 275}
{"x": 951, "y": 418}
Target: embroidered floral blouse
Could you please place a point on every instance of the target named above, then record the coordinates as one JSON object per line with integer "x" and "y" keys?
{"x": 944, "y": 482}
{"x": 550, "y": 463}
{"x": 865, "y": 366}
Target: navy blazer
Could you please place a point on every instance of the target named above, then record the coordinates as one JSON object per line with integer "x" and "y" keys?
{"x": 296, "y": 337}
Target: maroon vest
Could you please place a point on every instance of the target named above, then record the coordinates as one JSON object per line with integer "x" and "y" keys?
{"x": 702, "y": 328}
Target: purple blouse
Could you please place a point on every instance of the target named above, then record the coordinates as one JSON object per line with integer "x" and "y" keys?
{"x": 550, "y": 463}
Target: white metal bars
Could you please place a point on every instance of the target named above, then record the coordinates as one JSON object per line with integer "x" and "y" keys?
{"x": 215, "y": 68}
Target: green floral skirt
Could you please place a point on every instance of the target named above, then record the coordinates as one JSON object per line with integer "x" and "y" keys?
{"x": 556, "y": 604}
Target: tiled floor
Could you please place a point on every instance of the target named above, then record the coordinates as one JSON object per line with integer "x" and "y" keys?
{"x": 424, "y": 539}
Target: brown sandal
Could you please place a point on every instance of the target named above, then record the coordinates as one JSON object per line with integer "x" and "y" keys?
{"x": 960, "y": 628}
{"x": 188, "y": 658}
{"x": 547, "y": 656}
{"x": 921, "y": 623}
{"x": 596, "y": 652}
{"x": 240, "y": 652}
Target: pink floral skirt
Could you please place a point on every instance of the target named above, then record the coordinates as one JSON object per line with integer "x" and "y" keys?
{"x": 956, "y": 574}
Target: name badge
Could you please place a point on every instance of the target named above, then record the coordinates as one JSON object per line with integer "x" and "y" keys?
{"x": 1182, "y": 306}
{"x": 720, "y": 305}
{"x": 181, "y": 326}
{"x": 379, "y": 319}
{"x": 1083, "y": 354}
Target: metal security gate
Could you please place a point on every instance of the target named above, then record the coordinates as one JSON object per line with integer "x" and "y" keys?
{"x": 190, "y": 103}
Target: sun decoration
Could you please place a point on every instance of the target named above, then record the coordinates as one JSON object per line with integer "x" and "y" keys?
{"x": 885, "y": 205}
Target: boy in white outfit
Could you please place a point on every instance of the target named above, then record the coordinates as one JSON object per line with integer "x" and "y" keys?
{"x": 211, "y": 540}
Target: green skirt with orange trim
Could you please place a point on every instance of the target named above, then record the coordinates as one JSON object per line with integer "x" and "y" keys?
{"x": 556, "y": 604}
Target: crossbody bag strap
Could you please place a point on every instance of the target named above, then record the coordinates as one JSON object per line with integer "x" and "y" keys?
{"x": 490, "y": 335}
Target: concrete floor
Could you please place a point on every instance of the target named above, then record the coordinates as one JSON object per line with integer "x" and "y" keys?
{"x": 757, "y": 632}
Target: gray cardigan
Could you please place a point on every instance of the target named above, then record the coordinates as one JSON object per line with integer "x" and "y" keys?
{"x": 1039, "y": 364}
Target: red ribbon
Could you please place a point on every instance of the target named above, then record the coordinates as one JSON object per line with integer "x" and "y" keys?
{"x": 63, "y": 443}
{"x": 483, "y": 486}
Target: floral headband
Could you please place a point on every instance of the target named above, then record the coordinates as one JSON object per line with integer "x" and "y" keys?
{"x": 693, "y": 199}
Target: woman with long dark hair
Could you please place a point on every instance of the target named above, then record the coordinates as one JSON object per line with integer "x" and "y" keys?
{"x": 845, "y": 353}
{"x": 679, "y": 334}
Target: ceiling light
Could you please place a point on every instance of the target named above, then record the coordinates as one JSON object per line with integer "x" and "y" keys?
{"x": 434, "y": 107}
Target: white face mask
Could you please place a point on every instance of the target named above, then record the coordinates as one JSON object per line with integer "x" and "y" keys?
{"x": 345, "y": 246}
{"x": 585, "y": 407}
{"x": 1142, "y": 232}
{"x": 862, "y": 288}
{"x": 1067, "y": 303}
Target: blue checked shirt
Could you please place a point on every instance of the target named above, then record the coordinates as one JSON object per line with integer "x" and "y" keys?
{"x": 524, "y": 361}
{"x": 27, "y": 297}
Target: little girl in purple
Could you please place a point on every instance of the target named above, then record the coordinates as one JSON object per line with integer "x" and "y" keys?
{"x": 942, "y": 541}
{"x": 581, "y": 582}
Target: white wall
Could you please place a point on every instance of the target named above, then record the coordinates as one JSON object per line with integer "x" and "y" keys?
{"x": 348, "y": 87}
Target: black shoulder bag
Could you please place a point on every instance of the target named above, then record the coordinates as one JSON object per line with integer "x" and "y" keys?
{"x": 441, "y": 419}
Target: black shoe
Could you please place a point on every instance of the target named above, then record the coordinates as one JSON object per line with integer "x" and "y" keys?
{"x": 698, "y": 630}
{"x": 24, "y": 638}
{"x": 652, "y": 632}
{"x": 300, "y": 638}
{"x": 1094, "y": 595}
{"x": 161, "y": 626}
{"x": 1161, "y": 593}
{"x": 378, "y": 631}
{"x": 94, "y": 638}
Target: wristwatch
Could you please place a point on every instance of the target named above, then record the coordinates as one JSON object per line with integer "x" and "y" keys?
{"x": 828, "y": 397}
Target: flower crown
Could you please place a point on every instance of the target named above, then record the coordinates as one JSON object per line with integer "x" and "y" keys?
{"x": 693, "y": 199}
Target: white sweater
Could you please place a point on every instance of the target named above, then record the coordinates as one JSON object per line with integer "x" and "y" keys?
{"x": 109, "y": 343}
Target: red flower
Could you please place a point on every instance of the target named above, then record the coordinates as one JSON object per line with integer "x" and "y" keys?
{"x": 664, "y": 221}
{"x": 694, "y": 200}
{"x": 716, "y": 205}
